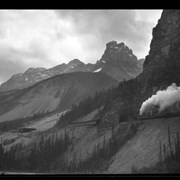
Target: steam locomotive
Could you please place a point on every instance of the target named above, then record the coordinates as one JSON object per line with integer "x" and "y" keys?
{"x": 154, "y": 113}
{"x": 157, "y": 116}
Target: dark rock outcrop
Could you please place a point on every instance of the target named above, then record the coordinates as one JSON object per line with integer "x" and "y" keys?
{"x": 118, "y": 53}
{"x": 162, "y": 65}
{"x": 165, "y": 38}
{"x": 119, "y": 62}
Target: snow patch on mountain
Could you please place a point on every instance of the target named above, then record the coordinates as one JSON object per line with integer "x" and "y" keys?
{"x": 98, "y": 70}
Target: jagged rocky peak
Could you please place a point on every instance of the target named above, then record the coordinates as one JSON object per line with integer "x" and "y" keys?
{"x": 165, "y": 39}
{"x": 118, "y": 52}
{"x": 115, "y": 45}
{"x": 32, "y": 70}
{"x": 111, "y": 44}
{"x": 75, "y": 62}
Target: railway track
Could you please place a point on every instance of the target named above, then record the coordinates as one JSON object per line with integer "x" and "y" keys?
{"x": 138, "y": 118}
{"x": 85, "y": 123}
{"x": 158, "y": 116}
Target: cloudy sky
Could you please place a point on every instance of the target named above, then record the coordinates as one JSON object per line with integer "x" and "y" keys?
{"x": 46, "y": 38}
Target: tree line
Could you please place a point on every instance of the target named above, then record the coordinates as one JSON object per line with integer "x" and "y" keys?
{"x": 38, "y": 157}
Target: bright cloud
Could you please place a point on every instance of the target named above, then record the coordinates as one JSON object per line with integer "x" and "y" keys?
{"x": 45, "y": 38}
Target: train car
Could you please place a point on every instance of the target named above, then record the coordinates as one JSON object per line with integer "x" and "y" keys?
{"x": 165, "y": 114}
{"x": 25, "y": 130}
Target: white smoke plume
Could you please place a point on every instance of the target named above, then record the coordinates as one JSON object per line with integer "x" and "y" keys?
{"x": 162, "y": 100}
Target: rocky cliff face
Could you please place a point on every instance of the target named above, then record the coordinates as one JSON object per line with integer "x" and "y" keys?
{"x": 118, "y": 52}
{"x": 119, "y": 62}
{"x": 161, "y": 66}
{"x": 165, "y": 38}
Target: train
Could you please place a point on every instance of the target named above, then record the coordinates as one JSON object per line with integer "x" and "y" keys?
{"x": 158, "y": 116}
{"x": 154, "y": 112}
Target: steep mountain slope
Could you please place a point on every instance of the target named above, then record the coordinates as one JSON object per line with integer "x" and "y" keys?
{"x": 118, "y": 61}
{"x": 122, "y": 146}
{"x": 58, "y": 92}
{"x": 161, "y": 66}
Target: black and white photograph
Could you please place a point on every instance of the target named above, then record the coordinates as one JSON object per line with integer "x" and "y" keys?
{"x": 89, "y": 91}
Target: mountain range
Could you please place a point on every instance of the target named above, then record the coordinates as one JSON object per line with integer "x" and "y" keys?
{"x": 118, "y": 61}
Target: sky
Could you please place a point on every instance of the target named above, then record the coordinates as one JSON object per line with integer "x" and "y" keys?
{"x": 46, "y": 38}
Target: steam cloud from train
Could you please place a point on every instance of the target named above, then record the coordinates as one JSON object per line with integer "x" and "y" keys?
{"x": 162, "y": 100}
